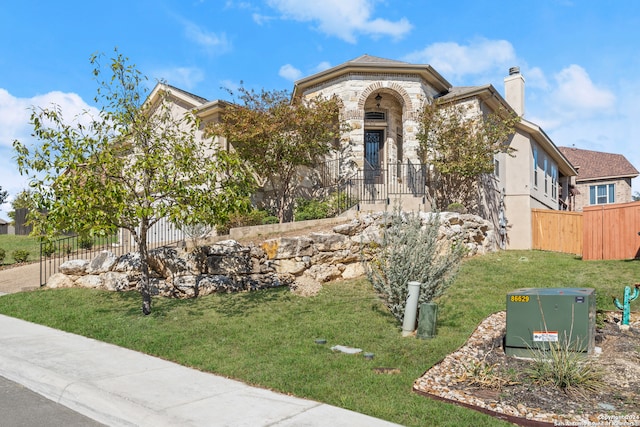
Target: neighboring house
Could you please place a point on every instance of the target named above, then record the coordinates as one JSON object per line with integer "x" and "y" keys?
{"x": 382, "y": 100}
{"x": 603, "y": 178}
{"x": 4, "y": 226}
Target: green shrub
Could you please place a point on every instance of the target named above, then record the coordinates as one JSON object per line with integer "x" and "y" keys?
{"x": 270, "y": 219}
{"x": 85, "y": 242}
{"x": 3, "y": 253}
{"x": 411, "y": 251}
{"x": 307, "y": 209}
{"x": 333, "y": 205}
{"x": 47, "y": 248}
{"x": 456, "y": 207}
{"x": 255, "y": 217}
{"x": 20, "y": 255}
{"x": 564, "y": 368}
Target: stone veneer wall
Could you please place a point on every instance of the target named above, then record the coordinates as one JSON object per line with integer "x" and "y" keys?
{"x": 228, "y": 266}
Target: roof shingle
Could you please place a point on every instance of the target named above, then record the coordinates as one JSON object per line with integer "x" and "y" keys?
{"x": 598, "y": 165}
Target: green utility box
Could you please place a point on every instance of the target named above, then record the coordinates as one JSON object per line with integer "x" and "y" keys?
{"x": 540, "y": 317}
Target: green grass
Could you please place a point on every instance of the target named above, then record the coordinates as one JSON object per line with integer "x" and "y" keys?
{"x": 10, "y": 243}
{"x": 267, "y": 338}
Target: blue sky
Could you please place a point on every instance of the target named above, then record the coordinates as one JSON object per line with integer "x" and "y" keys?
{"x": 580, "y": 58}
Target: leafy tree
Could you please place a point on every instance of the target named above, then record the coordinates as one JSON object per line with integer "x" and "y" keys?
{"x": 134, "y": 164}
{"x": 636, "y": 196}
{"x": 277, "y": 137}
{"x": 460, "y": 145}
{"x": 23, "y": 200}
{"x": 3, "y": 195}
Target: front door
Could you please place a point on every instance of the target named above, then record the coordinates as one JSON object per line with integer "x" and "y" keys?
{"x": 373, "y": 146}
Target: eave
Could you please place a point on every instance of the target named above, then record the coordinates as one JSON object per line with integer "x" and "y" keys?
{"x": 426, "y": 72}
{"x": 564, "y": 165}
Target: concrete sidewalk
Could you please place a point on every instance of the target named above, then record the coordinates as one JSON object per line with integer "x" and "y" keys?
{"x": 120, "y": 387}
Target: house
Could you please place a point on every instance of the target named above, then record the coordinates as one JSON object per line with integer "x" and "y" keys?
{"x": 603, "y": 178}
{"x": 382, "y": 100}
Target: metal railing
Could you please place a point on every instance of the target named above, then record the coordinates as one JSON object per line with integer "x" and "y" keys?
{"x": 54, "y": 253}
{"x": 375, "y": 184}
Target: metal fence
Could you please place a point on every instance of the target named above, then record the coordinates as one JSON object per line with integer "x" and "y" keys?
{"x": 374, "y": 184}
{"x": 56, "y": 252}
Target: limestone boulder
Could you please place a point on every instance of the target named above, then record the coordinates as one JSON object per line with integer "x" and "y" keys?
{"x": 228, "y": 258}
{"x": 168, "y": 262}
{"x": 326, "y": 242}
{"x": 288, "y": 247}
{"x": 60, "y": 280}
{"x": 102, "y": 263}
{"x": 74, "y": 267}
{"x": 129, "y": 262}
{"x": 89, "y": 281}
{"x": 115, "y": 281}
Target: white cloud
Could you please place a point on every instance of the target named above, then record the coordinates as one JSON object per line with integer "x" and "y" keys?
{"x": 576, "y": 91}
{"x": 453, "y": 60}
{"x": 575, "y": 111}
{"x": 575, "y": 108}
{"x": 324, "y": 65}
{"x": 210, "y": 41}
{"x": 183, "y": 77}
{"x": 289, "y": 72}
{"x": 15, "y": 112}
{"x": 535, "y": 78}
{"x": 261, "y": 19}
{"x": 14, "y": 124}
{"x": 342, "y": 18}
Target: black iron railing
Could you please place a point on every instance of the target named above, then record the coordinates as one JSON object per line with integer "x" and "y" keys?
{"x": 53, "y": 253}
{"x": 375, "y": 184}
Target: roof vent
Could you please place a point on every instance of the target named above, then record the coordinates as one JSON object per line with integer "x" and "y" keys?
{"x": 514, "y": 70}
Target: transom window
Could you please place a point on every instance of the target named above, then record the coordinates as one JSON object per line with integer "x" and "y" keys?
{"x": 602, "y": 194}
{"x": 375, "y": 115}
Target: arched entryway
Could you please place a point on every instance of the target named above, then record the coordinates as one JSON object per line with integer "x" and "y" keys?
{"x": 383, "y": 132}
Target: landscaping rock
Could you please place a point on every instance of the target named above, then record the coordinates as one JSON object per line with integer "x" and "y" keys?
{"x": 102, "y": 263}
{"x": 74, "y": 267}
{"x": 301, "y": 262}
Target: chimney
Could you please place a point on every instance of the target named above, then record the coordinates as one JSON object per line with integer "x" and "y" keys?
{"x": 514, "y": 90}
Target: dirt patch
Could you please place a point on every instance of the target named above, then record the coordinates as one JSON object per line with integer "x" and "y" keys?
{"x": 481, "y": 376}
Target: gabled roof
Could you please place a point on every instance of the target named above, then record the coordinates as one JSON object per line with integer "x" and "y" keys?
{"x": 189, "y": 94}
{"x": 373, "y": 64}
{"x": 593, "y": 165}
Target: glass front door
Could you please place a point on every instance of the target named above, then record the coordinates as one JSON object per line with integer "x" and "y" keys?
{"x": 373, "y": 145}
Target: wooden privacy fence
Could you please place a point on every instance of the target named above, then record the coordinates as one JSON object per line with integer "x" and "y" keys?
{"x": 558, "y": 231}
{"x": 598, "y": 233}
{"x": 611, "y": 231}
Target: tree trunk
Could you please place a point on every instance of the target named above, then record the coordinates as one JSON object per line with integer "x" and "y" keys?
{"x": 145, "y": 288}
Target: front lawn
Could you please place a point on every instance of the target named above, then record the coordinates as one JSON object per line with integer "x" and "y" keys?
{"x": 11, "y": 243}
{"x": 267, "y": 338}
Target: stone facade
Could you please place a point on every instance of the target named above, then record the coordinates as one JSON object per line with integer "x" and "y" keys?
{"x": 623, "y": 191}
{"x": 302, "y": 263}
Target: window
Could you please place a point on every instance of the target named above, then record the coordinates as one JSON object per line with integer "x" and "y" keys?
{"x": 554, "y": 181}
{"x": 375, "y": 115}
{"x": 546, "y": 176}
{"x": 535, "y": 167}
{"x": 496, "y": 170}
{"x": 602, "y": 194}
